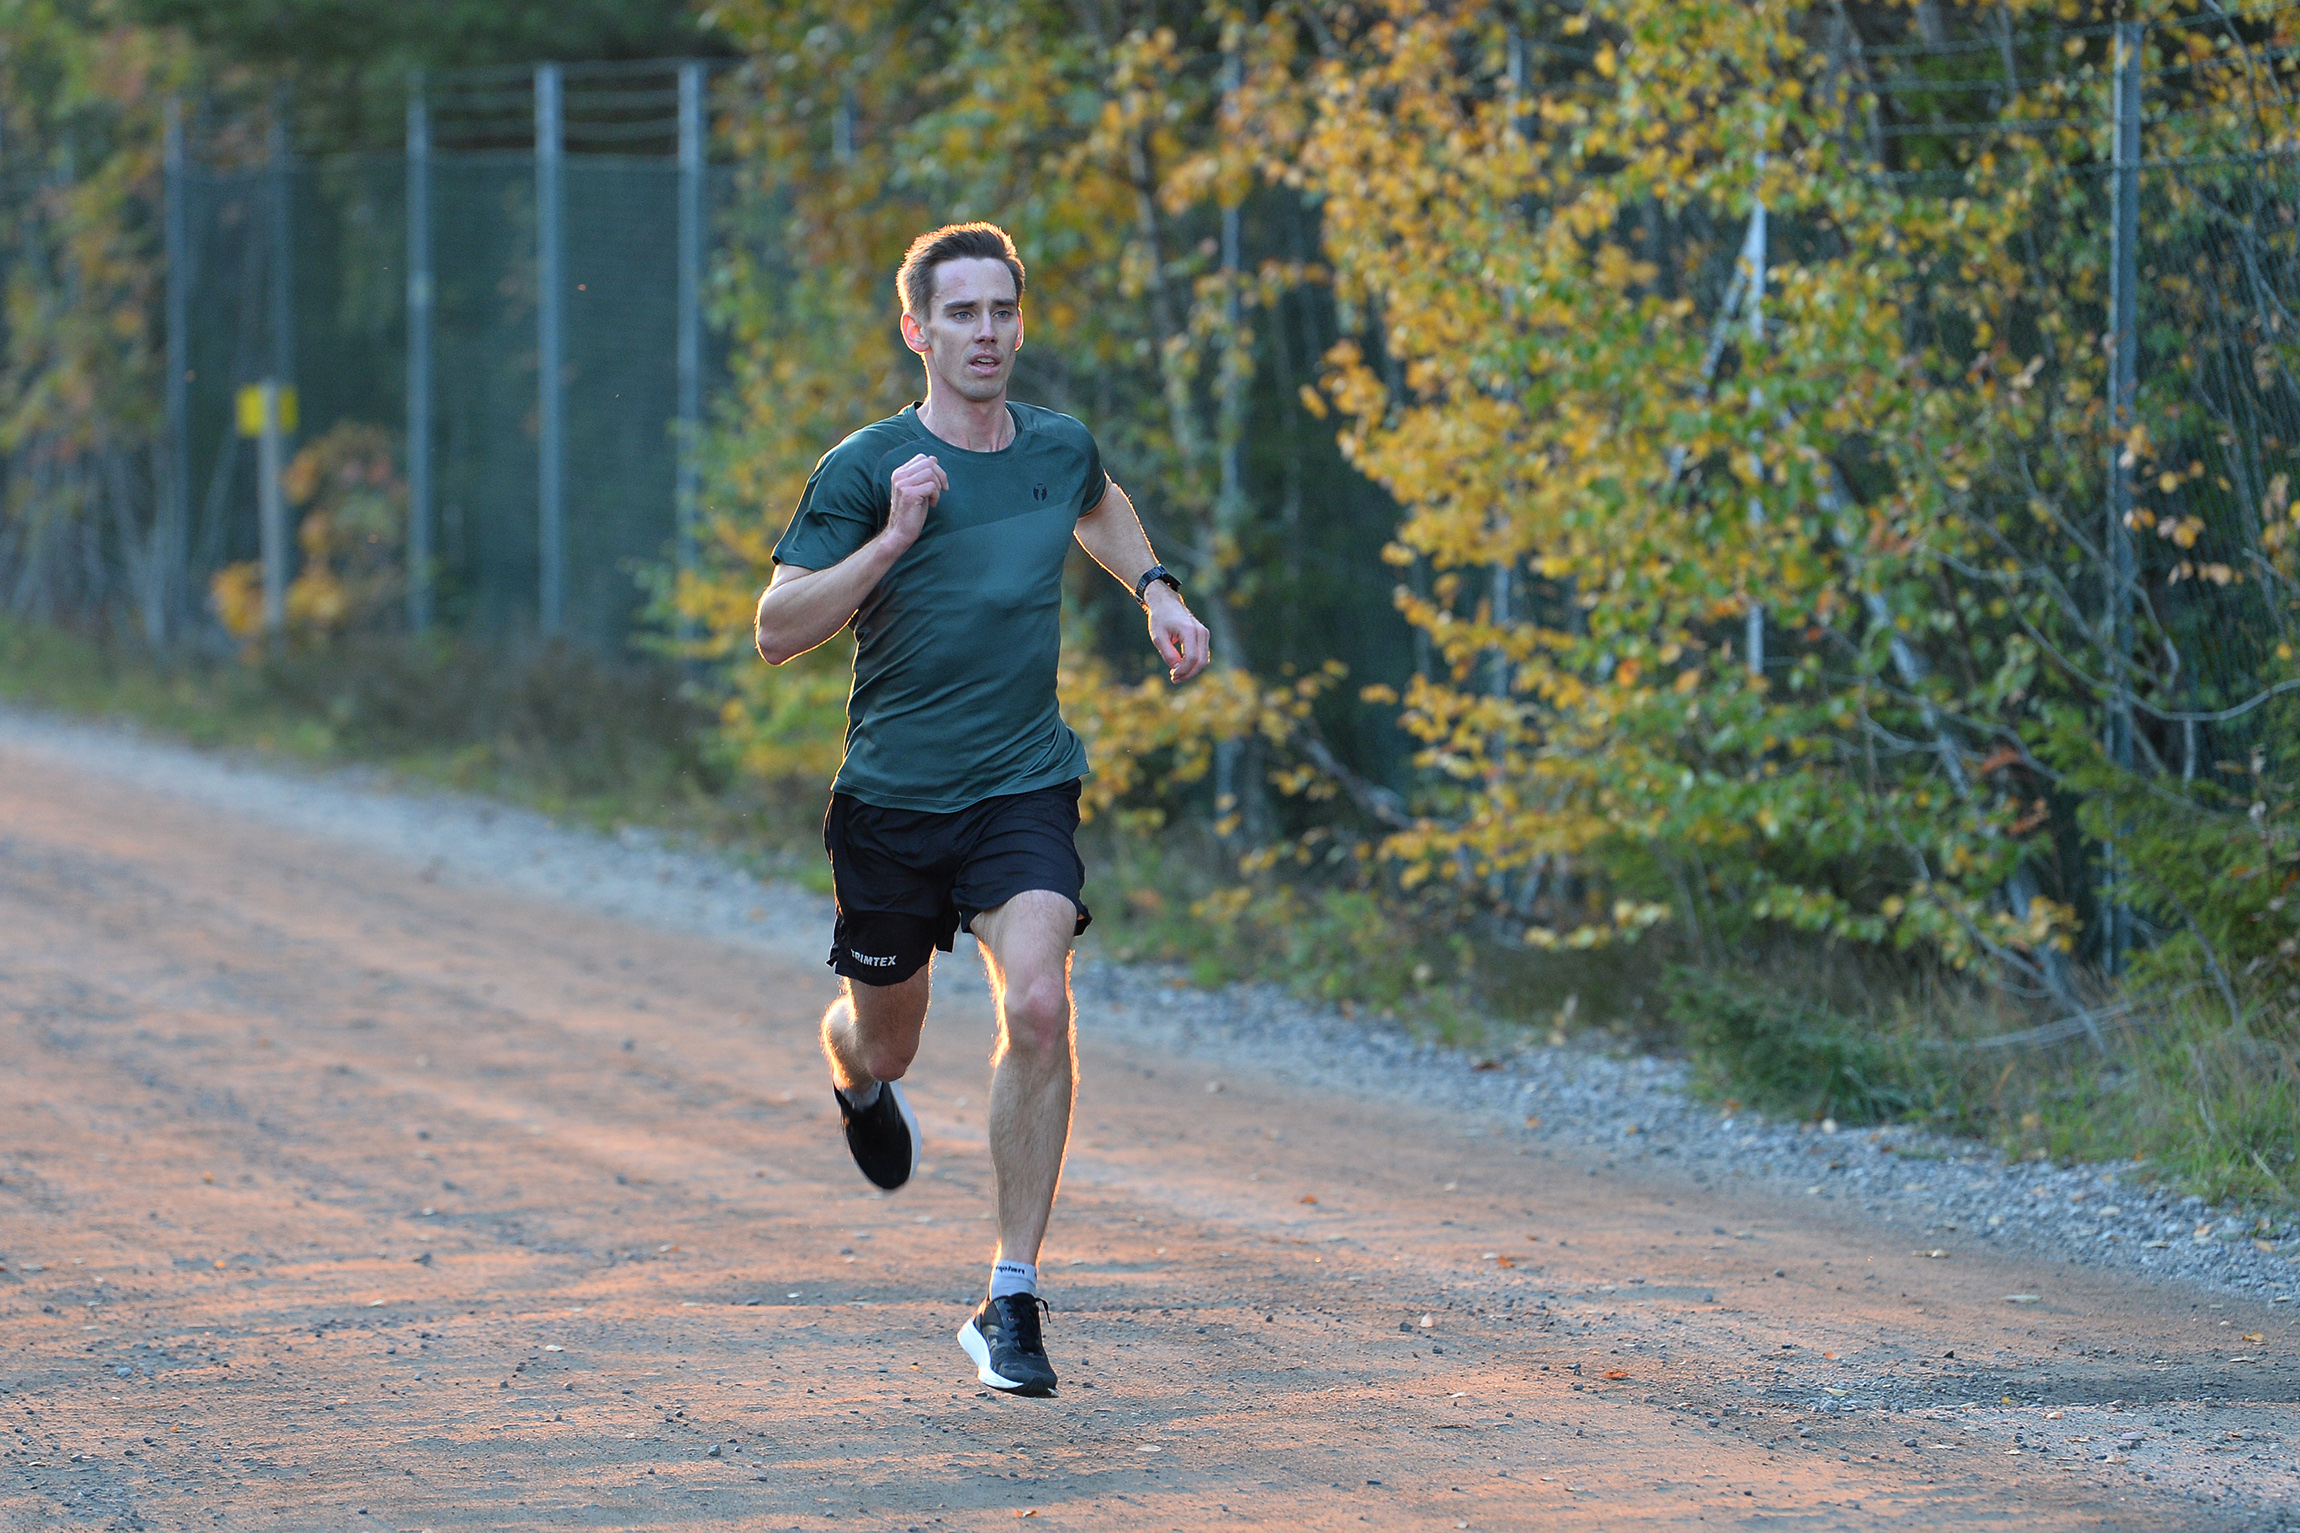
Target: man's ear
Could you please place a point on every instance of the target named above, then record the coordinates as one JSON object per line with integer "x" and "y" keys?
{"x": 914, "y": 334}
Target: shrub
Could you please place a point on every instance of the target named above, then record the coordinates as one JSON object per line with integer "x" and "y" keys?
{"x": 353, "y": 513}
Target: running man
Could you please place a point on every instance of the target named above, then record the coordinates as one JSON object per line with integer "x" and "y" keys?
{"x": 940, "y": 533}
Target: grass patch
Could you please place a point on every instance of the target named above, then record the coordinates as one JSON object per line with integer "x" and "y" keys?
{"x": 1787, "y": 1054}
{"x": 1166, "y": 900}
{"x": 1438, "y": 968}
{"x": 2209, "y": 1105}
{"x": 2178, "y": 1086}
{"x": 556, "y": 728}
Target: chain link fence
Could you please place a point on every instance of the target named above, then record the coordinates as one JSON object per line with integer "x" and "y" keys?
{"x": 516, "y": 297}
{"x": 2218, "y": 361}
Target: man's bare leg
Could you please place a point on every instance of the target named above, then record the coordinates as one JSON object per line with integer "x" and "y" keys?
{"x": 1026, "y": 949}
{"x": 871, "y": 1032}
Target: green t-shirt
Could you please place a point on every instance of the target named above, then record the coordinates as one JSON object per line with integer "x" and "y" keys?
{"x": 956, "y": 646}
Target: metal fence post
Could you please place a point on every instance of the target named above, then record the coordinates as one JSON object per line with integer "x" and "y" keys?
{"x": 275, "y": 538}
{"x": 175, "y": 511}
{"x": 549, "y": 142}
{"x": 1753, "y": 254}
{"x": 2122, "y": 388}
{"x": 271, "y": 506}
{"x": 280, "y": 156}
{"x": 691, "y": 172}
{"x": 418, "y": 360}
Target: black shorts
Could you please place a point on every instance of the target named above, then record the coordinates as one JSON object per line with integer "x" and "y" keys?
{"x": 907, "y": 882}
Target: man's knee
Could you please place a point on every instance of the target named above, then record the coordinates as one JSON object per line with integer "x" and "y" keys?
{"x": 1038, "y": 1014}
{"x": 888, "y": 1061}
{"x": 886, "y": 1052}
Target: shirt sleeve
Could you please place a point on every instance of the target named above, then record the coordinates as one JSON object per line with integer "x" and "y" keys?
{"x": 842, "y": 508}
{"x": 1096, "y": 484}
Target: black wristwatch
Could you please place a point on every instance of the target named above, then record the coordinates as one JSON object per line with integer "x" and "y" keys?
{"x": 1154, "y": 572}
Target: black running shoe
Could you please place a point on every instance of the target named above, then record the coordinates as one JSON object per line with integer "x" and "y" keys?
{"x": 1008, "y": 1352}
{"x": 883, "y": 1137}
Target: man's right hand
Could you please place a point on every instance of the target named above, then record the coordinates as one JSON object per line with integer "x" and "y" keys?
{"x": 915, "y": 487}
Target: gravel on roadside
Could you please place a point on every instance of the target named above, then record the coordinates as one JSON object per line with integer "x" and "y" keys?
{"x": 1628, "y": 1111}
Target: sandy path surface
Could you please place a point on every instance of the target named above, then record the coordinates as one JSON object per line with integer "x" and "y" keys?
{"x": 337, "y": 1194}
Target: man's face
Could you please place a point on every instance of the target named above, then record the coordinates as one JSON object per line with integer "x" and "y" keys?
{"x": 971, "y": 330}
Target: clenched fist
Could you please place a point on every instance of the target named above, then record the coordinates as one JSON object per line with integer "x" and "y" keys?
{"x": 913, "y": 489}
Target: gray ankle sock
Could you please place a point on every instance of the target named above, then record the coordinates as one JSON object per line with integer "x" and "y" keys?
{"x": 859, "y": 1100}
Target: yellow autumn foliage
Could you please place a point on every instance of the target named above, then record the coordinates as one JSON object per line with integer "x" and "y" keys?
{"x": 352, "y": 508}
{"x": 1619, "y": 453}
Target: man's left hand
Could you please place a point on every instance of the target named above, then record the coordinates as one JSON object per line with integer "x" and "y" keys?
{"x": 1181, "y": 639}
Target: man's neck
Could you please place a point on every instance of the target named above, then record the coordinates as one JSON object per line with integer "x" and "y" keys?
{"x": 984, "y": 427}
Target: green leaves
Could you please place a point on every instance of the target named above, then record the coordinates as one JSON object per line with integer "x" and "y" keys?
{"x": 1583, "y": 402}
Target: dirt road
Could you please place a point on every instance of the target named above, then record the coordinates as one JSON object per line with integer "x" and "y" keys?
{"x": 335, "y": 1196}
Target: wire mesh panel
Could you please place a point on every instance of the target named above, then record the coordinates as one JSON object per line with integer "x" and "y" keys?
{"x": 229, "y": 345}
{"x": 2219, "y": 362}
{"x": 484, "y": 389}
{"x": 621, "y": 384}
{"x": 347, "y": 223}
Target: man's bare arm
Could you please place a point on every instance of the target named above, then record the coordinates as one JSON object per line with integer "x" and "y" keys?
{"x": 1113, "y": 535}
{"x": 800, "y": 609}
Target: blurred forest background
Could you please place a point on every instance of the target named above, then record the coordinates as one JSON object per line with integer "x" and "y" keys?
{"x": 1686, "y": 567}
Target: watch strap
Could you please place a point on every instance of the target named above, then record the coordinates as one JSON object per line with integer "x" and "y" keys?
{"x": 1156, "y": 572}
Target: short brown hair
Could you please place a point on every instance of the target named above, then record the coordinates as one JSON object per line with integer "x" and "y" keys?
{"x": 914, "y": 279}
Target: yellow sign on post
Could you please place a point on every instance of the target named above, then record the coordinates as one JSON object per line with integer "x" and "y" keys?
{"x": 250, "y": 402}
{"x": 266, "y": 411}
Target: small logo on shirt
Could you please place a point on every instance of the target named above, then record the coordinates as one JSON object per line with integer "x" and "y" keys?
{"x": 873, "y": 960}
{"x": 1038, "y": 492}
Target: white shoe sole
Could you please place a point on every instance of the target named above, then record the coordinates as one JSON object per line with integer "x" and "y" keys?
{"x": 978, "y": 1349}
